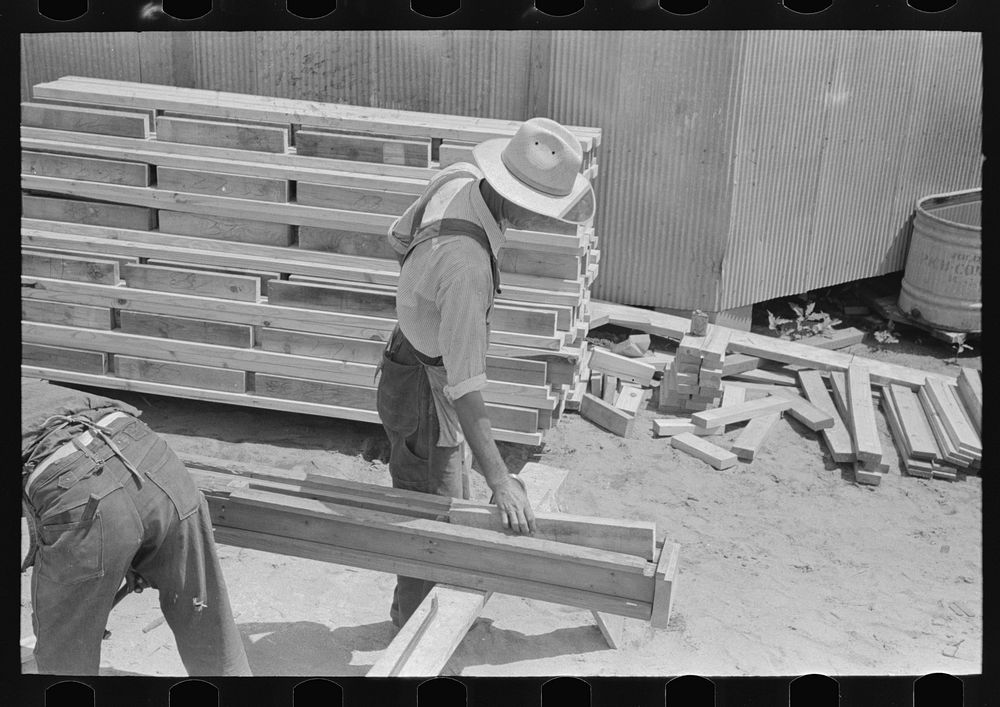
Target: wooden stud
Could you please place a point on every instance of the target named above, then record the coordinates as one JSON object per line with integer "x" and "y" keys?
{"x": 733, "y": 395}
{"x": 413, "y": 153}
{"x": 861, "y": 411}
{"x": 67, "y": 314}
{"x": 752, "y": 436}
{"x": 166, "y": 279}
{"x": 68, "y": 267}
{"x": 340, "y": 197}
{"x": 962, "y": 435}
{"x": 186, "y": 329}
{"x": 706, "y": 451}
{"x": 668, "y": 427}
{"x": 917, "y": 437}
{"x": 743, "y": 411}
{"x": 970, "y": 389}
{"x": 609, "y": 389}
{"x": 621, "y": 366}
{"x": 88, "y": 212}
{"x": 837, "y": 436}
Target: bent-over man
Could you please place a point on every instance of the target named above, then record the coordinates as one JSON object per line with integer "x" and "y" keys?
{"x": 107, "y": 500}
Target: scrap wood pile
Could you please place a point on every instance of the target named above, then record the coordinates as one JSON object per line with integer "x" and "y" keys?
{"x": 935, "y": 420}
{"x": 233, "y": 248}
{"x": 605, "y": 565}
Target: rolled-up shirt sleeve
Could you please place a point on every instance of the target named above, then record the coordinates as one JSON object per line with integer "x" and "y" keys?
{"x": 464, "y": 300}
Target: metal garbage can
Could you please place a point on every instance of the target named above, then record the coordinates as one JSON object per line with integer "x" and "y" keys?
{"x": 942, "y": 282}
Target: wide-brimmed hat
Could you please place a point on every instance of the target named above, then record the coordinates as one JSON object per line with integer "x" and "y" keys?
{"x": 539, "y": 169}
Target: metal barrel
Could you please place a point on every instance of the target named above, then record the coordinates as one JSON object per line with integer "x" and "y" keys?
{"x": 942, "y": 282}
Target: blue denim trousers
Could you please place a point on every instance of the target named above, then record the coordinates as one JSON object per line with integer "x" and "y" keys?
{"x": 406, "y": 408}
{"x": 95, "y": 521}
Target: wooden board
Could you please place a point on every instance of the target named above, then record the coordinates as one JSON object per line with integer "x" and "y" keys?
{"x": 241, "y": 288}
{"x": 597, "y": 385}
{"x": 62, "y": 358}
{"x": 413, "y": 153}
{"x": 861, "y": 413}
{"x": 341, "y": 299}
{"x": 67, "y": 314}
{"x": 706, "y": 451}
{"x": 917, "y": 437}
{"x": 263, "y": 277}
{"x": 530, "y": 262}
{"x": 913, "y": 467}
{"x": 665, "y": 591}
{"x": 232, "y": 185}
{"x": 225, "y": 229}
{"x": 221, "y": 134}
{"x": 733, "y": 395}
{"x": 186, "y": 329}
{"x": 340, "y": 348}
{"x": 609, "y": 389}
{"x": 714, "y": 351}
{"x": 202, "y": 377}
{"x": 668, "y": 427}
{"x": 606, "y": 416}
{"x": 740, "y": 412}
{"x": 621, "y": 367}
{"x": 338, "y": 197}
{"x": 970, "y": 390}
{"x": 68, "y": 267}
{"x": 808, "y": 414}
{"x": 85, "y": 168}
{"x": 837, "y": 436}
{"x": 752, "y": 437}
{"x": 948, "y": 451}
{"x": 472, "y": 549}
{"x": 331, "y": 240}
{"x": 85, "y": 120}
{"x": 636, "y": 538}
{"x": 955, "y": 422}
{"x": 313, "y": 391}
{"x": 88, "y": 212}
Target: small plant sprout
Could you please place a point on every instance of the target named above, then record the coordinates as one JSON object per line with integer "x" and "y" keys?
{"x": 807, "y": 322}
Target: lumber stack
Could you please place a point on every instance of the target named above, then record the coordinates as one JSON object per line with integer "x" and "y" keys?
{"x": 232, "y": 248}
{"x": 694, "y": 380}
{"x": 607, "y": 565}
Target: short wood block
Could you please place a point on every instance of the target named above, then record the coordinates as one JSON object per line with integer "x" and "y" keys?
{"x": 217, "y": 133}
{"x": 597, "y": 385}
{"x": 330, "y": 240}
{"x": 629, "y": 398}
{"x": 399, "y": 151}
{"x": 236, "y": 186}
{"x": 743, "y": 411}
{"x": 66, "y": 314}
{"x": 183, "y": 374}
{"x": 186, "y": 329}
{"x": 63, "y": 359}
{"x": 668, "y": 427}
{"x": 88, "y": 169}
{"x": 226, "y": 229}
{"x": 609, "y": 389}
{"x": 94, "y": 213}
{"x": 85, "y": 120}
{"x": 607, "y": 416}
{"x": 706, "y": 451}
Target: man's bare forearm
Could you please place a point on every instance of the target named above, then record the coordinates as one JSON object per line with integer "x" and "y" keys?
{"x": 479, "y": 434}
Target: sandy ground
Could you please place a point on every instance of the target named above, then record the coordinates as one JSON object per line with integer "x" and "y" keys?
{"x": 787, "y": 567}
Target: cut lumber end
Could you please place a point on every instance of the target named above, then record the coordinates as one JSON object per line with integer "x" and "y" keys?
{"x": 664, "y": 588}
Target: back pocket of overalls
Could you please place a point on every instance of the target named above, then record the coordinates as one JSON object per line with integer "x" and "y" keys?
{"x": 398, "y": 396}
{"x": 71, "y": 540}
{"x": 170, "y": 475}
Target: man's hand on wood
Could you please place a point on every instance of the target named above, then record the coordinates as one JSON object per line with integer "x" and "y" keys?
{"x": 515, "y": 509}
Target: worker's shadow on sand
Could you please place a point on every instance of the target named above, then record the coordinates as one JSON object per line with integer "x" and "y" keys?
{"x": 485, "y": 644}
{"x": 310, "y": 648}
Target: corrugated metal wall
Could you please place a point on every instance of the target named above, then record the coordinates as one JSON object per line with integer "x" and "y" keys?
{"x": 735, "y": 166}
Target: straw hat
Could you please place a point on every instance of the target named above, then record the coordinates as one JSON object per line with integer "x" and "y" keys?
{"x": 539, "y": 169}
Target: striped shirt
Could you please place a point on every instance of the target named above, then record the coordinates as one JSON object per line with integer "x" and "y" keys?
{"x": 445, "y": 291}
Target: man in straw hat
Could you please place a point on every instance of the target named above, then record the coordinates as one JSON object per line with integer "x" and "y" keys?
{"x": 434, "y": 366}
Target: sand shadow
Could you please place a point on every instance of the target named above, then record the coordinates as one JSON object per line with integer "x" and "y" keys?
{"x": 485, "y": 644}
{"x": 308, "y": 648}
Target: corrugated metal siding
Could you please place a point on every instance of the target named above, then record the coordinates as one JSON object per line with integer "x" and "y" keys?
{"x": 666, "y": 103}
{"x": 734, "y": 166}
{"x": 840, "y": 134}
{"x": 46, "y": 57}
